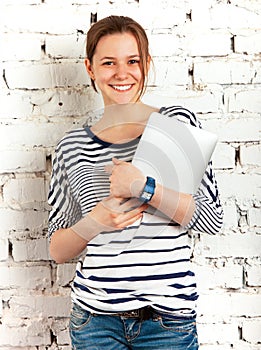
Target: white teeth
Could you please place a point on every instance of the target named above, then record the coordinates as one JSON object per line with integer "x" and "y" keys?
{"x": 121, "y": 87}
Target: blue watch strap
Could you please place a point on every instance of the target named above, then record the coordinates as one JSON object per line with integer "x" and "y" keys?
{"x": 148, "y": 190}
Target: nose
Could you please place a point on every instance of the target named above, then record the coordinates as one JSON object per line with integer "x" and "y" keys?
{"x": 121, "y": 71}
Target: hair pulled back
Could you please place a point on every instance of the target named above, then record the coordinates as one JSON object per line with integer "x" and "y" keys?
{"x": 114, "y": 25}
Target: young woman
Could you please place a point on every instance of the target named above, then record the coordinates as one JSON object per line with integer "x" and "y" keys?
{"x": 134, "y": 287}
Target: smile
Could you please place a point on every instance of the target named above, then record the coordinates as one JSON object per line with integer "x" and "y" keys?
{"x": 121, "y": 87}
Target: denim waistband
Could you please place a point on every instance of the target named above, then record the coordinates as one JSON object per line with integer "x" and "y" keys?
{"x": 148, "y": 312}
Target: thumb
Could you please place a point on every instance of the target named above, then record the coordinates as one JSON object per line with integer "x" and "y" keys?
{"x": 116, "y": 161}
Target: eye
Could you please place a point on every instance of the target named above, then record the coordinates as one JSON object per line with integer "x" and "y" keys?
{"x": 134, "y": 61}
{"x": 107, "y": 63}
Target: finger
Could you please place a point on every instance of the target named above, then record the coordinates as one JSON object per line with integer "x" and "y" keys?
{"x": 112, "y": 203}
{"x": 119, "y": 218}
{"x": 130, "y": 204}
{"x": 129, "y": 222}
{"x": 117, "y": 161}
{"x": 139, "y": 209}
{"x": 108, "y": 168}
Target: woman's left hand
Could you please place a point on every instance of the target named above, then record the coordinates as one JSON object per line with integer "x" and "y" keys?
{"x": 126, "y": 180}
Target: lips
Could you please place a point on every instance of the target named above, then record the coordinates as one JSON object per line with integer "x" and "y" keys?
{"x": 121, "y": 87}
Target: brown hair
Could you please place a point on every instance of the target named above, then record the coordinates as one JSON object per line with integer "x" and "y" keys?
{"x": 119, "y": 24}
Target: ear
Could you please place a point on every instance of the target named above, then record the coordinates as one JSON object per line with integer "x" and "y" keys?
{"x": 148, "y": 63}
{"x": 89, "y": 68}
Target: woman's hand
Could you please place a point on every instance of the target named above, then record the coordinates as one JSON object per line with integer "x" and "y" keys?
{"x": 115, "y": 213}
{"x": 108, "y": 215}
{"x": 126, "y": 180}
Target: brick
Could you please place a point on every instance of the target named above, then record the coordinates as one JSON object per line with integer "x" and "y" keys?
{"x": 20, "y": 47}
{"x": 21, "y": 2}
{"x": 31, "y": 134}
{"x": 196, "y": 101}
{"x": 223, "y": 72}
{"x": 22, "y": 161}
{"x": 25, "y": 277}
{"x": 231, "y": 245}
{"x": 40, "y": 306}
{"x": 40, "y": 76}
{"x": 214, "y": 347}
{"x": 16, "y": 220}
{"x": 231, "y": 129}
{"x": 251, "y": 331}
{"x": 30, "y": 250}
{"x": 45, "y": 19}
{"x": 168, "y": 73}
{"x": 164, "y": 45}
{"x": 65, "y": 274}
{"x": 250, "y": 154}
{"x": 65, "y": 46}
{"x": 231, "y": 216}
{"x": 254, "y": 217}
{"x": 4, "y": 249}
{"x": 15, "y": 105}
{"x": 243, "y": 100}
{"x": 69, "y": 103}
{"x": 244, "y": 187}
{"x": 220, "y": 333}
{"x": 24, "y": 191}
{"x": 200, "y": 14}
{"x": 253, "y": 276}
{"x": 224, "y": 156}
{"x": 249, "y": 43}
{"x": 60, "y": 329}
{"x": 222, "y": 305}
{"x": 172, "y": 12}
{"x": 209, "y": 277}
{"x": 233, "y": 16}
{"x": 213, "y": 44}
{"x": 27, "y": 333}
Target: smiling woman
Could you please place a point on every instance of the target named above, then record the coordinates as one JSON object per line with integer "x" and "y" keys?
{"x": 134, "y": 286}
{"x": 115, "y": 68}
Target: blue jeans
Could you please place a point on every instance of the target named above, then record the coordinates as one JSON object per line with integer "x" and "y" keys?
{"x": 107, "y": 332}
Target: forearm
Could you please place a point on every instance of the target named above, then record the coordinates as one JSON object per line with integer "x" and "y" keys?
{"x": 177, "y": 206}
{"x": 70, "y": 242}
{"x": 108, "y": 215}
{"x": 65, "y": 245}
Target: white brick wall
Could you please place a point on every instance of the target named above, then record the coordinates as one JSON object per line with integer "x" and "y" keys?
{"x": 207, "y": 58}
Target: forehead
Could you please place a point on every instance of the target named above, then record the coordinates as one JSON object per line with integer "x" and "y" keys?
{"x": 118, "y": 43}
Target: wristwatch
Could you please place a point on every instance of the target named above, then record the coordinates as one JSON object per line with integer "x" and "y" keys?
{"x": 148, "y": 190}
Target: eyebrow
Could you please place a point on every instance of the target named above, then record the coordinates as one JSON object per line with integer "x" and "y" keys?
{"x": 112, "y": 58}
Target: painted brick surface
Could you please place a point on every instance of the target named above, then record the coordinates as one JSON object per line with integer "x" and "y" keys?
{"x": 207, "y": 58}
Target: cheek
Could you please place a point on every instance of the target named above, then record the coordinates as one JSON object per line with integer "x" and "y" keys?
{"x": 104, "y": 77}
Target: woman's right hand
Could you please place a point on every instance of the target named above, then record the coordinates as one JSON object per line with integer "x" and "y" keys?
{"x": 117, "y": 213}
{"x": 108, "y": 215}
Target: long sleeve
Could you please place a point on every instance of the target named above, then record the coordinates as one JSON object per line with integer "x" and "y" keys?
{"x": 65, "y": 209}
{"x": 208, "y": 215}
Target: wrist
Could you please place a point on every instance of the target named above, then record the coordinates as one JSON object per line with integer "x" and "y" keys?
{"x": 137, "y": 187}
{"x": 86, "y": 228}
{"x": 148, "y": 190}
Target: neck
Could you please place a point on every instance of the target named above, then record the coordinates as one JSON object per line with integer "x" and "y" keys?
{"x": 123, "y": 121}
{"x": 127, "y": 113}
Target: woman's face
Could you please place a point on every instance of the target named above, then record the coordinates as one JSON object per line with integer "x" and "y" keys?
{"x": 116, "y": 68}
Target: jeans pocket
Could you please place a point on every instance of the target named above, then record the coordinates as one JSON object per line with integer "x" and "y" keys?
{"x": 179, "y": 326}
{"x": 79, "y": 318}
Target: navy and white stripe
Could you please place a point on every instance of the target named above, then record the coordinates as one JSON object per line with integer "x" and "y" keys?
{"x": 147, "y": 263}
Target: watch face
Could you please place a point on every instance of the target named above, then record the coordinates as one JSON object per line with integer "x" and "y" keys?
{"x": 146, "y": 195}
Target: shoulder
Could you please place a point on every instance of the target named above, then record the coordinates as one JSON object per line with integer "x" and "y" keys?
{"x": 72, "y": 139}
{"x": 181, "y": 113}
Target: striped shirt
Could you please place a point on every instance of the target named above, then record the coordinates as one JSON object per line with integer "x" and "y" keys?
{"x": 147, "y": 263}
